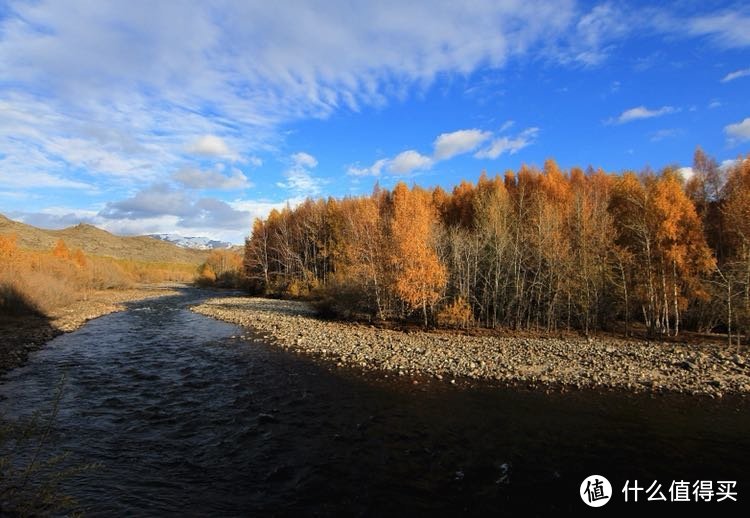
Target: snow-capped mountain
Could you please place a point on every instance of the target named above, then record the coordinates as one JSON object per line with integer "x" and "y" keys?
{"x": 198, "y": 243}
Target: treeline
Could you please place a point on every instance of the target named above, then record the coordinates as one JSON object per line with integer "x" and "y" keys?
{"x": 222, "y": 269}
{"x": 537, "y": 249}
{"x": 42, "y": 281}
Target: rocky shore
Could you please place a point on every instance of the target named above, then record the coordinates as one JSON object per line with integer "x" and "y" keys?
{"x": 20, "y": 336}
{"x": 602, "y": 363}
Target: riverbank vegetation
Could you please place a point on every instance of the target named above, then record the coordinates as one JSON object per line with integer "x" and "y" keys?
{"x": 546, "y": 250}
{"x": 40, "y": 282}
{"x": 222, "y": 269}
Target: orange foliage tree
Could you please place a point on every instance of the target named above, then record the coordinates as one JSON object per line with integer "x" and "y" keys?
{"x": 420, "y": 277}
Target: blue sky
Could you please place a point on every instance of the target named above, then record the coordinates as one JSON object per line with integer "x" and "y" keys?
{"x": 195, "y": 117}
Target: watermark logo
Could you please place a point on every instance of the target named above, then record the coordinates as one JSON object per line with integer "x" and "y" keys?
{"x": 596, "y": 491}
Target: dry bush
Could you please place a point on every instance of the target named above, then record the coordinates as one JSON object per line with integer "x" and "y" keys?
{"x": 148, "y": 272}
{"x": 49, "y": 291}
{"x": 106, "y": 274}
{"x": 457, "y": 314}
{"x": 32, "y": 281}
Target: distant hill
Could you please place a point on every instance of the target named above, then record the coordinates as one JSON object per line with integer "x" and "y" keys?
{"x": 198, "y": 243}
{"x": 95, "y": 241}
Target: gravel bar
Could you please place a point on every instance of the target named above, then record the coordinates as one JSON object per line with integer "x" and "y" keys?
{"x": 603, "y": 363}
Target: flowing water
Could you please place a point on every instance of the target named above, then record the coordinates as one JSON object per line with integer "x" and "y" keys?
{"x": 186, "y": 417}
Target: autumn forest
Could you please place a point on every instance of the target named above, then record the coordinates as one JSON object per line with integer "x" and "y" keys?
{"x": 547, "y": 250}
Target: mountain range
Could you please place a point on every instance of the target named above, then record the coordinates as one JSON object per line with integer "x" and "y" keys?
{"x": 197, "y": 243}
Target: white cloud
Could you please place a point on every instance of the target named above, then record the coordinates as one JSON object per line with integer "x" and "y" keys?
{"x": 510, "y": 145}
{"x": 408, "y": 161}
{"x": 714, "y": 104}
{"x": 209, "y": 145}
{"x": 155, "y": 200}
{"x": 448, "y": 145}
{"x": 374, "y": 170}
{"x": 160, "y": 201}
{"x": 591, "y": 42}
{"x": 36, "y": 180}
{"x": 299, "y": 179}
{"x": 641, "y": 112}
{"x": 729, "y": 29}
{"x": 302, "y": 182}
{"x": 199, "y": 179}
{"x": 739, "y": 130}
{"x": 303, "y": 159}
{"x": 249, "y": 66}
{"x": 736, "y": 75}
{"x": 83, "y": 153}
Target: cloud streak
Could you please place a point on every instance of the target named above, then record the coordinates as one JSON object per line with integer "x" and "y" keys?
{"x": 731, "y": 76}
{"x": 641, "y": 112}
{"x": 510, "y": 145}
{"x": 299, "y": 179}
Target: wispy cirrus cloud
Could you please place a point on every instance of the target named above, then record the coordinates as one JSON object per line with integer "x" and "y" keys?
{"x": 150, "y": 94}
{"x": 299, "y": 179}
{"x": 728, "y": 28}
{"x": 666, "y": 133}
{"x": 509, "y": 145}
{"x": 731, "y": 76}
{"x": 641, "y": 112}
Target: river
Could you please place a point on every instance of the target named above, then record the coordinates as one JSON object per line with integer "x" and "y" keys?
{"x": 186, "y": 417}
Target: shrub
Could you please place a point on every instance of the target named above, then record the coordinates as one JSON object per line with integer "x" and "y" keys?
{"x": 457, "y": 314}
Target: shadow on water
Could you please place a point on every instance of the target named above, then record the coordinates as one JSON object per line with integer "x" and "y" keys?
{"x": 189, "y": 417}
